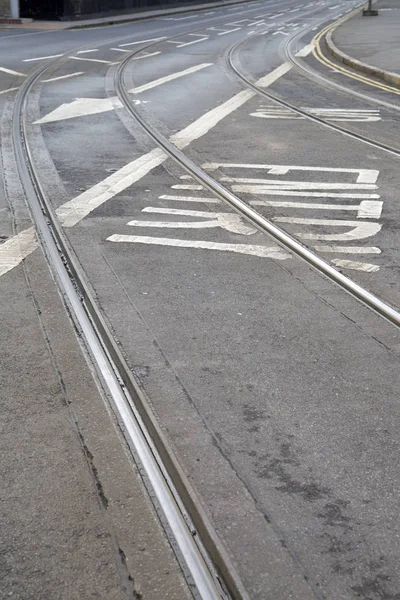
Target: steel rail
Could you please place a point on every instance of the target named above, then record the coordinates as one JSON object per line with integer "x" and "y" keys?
{"x": 145, "y": 439}
{"x": 299, "y": 111}
{"x": 361, "y": 294}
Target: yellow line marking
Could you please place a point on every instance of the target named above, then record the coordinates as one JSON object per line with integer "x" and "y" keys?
{"x": 320, "y": 56}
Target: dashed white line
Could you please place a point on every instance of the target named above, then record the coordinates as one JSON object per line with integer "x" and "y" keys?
{"x": 167, "y": 78}
{"x": 142, "y": 42}
{"x": 41, "y": 58}
{"x": 63, "y": 77}
{"x": 10, "y": 72}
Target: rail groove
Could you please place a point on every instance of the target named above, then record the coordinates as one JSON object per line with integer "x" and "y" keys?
{"x": 207, "y": 568}
{"x": 360, "y": 293}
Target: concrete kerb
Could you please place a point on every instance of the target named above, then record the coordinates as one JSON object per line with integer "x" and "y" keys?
{"x": 357, "y": 65}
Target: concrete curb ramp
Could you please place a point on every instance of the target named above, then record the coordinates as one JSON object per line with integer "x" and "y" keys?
{"x": 357, "y": 65}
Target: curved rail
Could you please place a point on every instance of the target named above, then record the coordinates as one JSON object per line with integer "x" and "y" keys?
{"x": 248, "y": 212}
{"x": 209, "y": 578}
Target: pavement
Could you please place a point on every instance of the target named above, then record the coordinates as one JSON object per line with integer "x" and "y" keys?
{"x": 277, "y": 391}
{"x": 372, "y": 40}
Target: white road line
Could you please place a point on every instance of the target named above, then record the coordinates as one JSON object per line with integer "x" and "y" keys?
{"x": 359, "y": 230}
{"x": 349, "y": 249}
{"x": 146, "y": 55}
{"x": 14, "y": 250}
{"x": 189, "y": 199}
{"x": 142, "y": 42}
{"x": 76, "y": 209}
{"x": 9, "y": 90}
{"x": 96, "y": 60}
{"x": 230, "y": 31}
{"x": 63, "y": 77}
{"x": 89, "y": 106}
{"x": 194, "y": 42}
{"x": 269, "y": 79}
{"x": 181, "y": 186}
{"x": 305, "y": 51}
{"x": 363, "y": 175}
{"x": 41, "y": 58}
{"x": 10, "y": 72}
{"x": 121, "y": 50}
{"x": 272, "y": 191}
{"x": 357, "y": 266}
{"x": 263, "y": 251}
{"x": 302, "y": 185}
{"x": 365, "y": 210}
{"x": 280, "y": 32}
{"x": 167, "y": 78}
{"x": 87, "y": 51}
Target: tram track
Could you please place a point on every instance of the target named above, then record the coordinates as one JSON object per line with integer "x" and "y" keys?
{"x": 205, "y": 560}
{"x": 246, "y": 211}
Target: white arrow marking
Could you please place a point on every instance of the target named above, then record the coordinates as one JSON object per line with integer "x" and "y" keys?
{"x": 89, "y": 106}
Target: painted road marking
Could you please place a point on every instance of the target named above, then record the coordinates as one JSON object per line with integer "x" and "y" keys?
{"x": 305, "y": 51}
{"x": 330, "y": 114}
{"x": 365, "y": 210}
{"x": 63, "y": 77}
{"x": 358, "y": 230}
{"x": 262, "y": 251}
{"x": 10, "y": 72}
{"x": 202, "y": 39}
{"x": 146, "y": 55}
{"x": 363, "y": 175}
{"x": 89, "y": 106}
{"x": 42, "y": 58}
{"x": 73, "y": 211}
{"x": 190, "y": 199}
{"x": 167, "y": 78}
{"x": 96, "y": 60}
{"x": 228, "y": 221}
{"x": 9, "y": 90}
{"x": 142, "y": 42}
{"x": 87, "y": 51}
{"x": 370, "y": 208}
{"x": 357, "y": 266}
{"x": 14, "y": 250}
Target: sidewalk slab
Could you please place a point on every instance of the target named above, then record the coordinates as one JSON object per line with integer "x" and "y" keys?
{"x": 373, "y": 41}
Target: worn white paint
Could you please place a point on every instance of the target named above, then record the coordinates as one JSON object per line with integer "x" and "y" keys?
{"x": 363, "y": 175}
{"x": 189, "y": 199}
{"x": 63, "y": 77}
{"x": 148, "y": 55}
{"x": 228, "y": 221}
{"x": 14, "y": 250}
{"x": 263, "y": 251}
{"x": 337, "y": 115}
{"x": 277, "y": 191}
{"x": 95, "y": 60}
{"x": 359, "y": 230}
{"x": 365, "y": 210}
{"x": 349, "y": 249}
{"x": 76, "y": 209}
{"x": 8, "y": 90}
{"x": 301, "y": 185}
{"x": 356, "y": 266}
{"x": 11, "y": 72}
{"x": 41, "y": 58}
{"x": 88, "y": 51}
{"x": 187, "y": 186}
{"x": 168, "y": 78}
{"x": 202, "y": 39}
{"x": 89, "y": 106}
{"x": 142, "y": 42}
